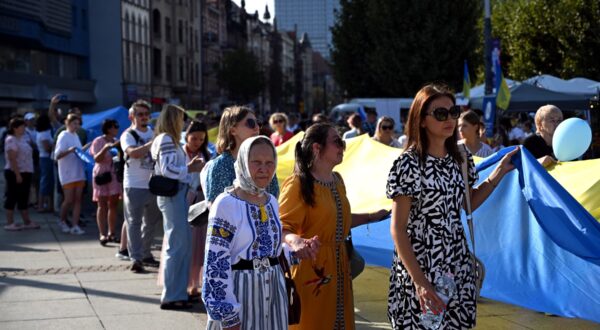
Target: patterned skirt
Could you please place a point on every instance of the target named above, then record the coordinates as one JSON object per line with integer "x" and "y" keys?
{"x": 262, "y": 297}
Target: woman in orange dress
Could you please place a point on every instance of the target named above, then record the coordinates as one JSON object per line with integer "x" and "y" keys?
{"x": 316, "y": 220}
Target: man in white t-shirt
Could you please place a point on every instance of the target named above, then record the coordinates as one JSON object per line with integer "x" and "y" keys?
{"x": 141, "y": 211}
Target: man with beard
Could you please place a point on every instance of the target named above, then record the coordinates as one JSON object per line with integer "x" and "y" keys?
{"x": 141, "y": 211}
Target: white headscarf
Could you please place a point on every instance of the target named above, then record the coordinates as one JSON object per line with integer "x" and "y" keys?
{"x": 243, "y": 178}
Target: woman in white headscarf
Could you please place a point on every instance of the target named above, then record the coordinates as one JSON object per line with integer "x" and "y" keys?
{"x": 243, "y": 285}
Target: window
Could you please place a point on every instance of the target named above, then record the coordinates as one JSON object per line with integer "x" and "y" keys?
{"x": 156, "y": 22}
{"x": 167, "y": 29}
{"x": 74, "y": 16}
{"x": 197, "y": 75}
{"x": 180, "y": 32}
{"x": 156, "y": 63}
{"x": 84, "y": 19}
{"x": 126, "y": 26}
{"x": 169, "y": 68}
{"x": 181, "y": 69}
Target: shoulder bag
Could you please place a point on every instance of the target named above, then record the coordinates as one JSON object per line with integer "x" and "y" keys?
{"x": 479, "y": 266}
{"x": 294, "y": 307}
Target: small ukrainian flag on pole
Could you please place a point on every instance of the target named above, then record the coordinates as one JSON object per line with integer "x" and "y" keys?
{"x": 466, "y": 82}
{"x": 502, "y": 90}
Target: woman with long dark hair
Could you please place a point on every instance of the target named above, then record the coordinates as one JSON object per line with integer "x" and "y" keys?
{"x": 427, "y": 189}
{"x": 316, "y": 220}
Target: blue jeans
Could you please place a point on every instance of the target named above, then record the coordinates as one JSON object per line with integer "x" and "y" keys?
{"x": 178, "y": 239}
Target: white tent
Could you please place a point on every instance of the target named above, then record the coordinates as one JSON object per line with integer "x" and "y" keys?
{"x": 572, "y": 86}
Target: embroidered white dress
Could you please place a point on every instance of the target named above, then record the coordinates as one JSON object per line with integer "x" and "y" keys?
{"x": 255, "y": 299}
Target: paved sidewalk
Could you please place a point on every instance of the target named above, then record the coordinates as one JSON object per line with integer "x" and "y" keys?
{"x": 51, "y": 280}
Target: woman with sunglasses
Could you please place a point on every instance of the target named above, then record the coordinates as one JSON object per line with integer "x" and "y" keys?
{"x": 427, "y": 189}
{"x": 384, "y": 132}
{"x": 469, "y": 126}
{"x": 106, "y": 191}
{"x": 237, "y": 124}
{"x": 316, "y": 220}
{"x": 278, "y": 122}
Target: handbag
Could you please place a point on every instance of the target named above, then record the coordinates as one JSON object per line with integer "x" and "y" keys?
{"x": 294, "y": 306}
{"x": 162, "y": 186}
{"x": 198, "y": 214}
{"x": 479, "y": 266}
{"x": 103, "y": 178}
{"x": 356, "y": 261}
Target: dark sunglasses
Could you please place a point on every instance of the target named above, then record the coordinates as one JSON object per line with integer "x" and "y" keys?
{"x": 387, "y": 128}
{"x": 339, "y": 143}
{"x": 251, "y": 123}
{"x": 116, "y": 126}
{"x": 441, "y": 114}
{"x": 278, "y": 121}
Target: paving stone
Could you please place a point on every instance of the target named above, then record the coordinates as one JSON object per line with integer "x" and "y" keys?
{"x": 87, "y": 323}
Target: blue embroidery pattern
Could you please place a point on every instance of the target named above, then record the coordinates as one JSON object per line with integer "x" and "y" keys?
{"x": 218, "y": 309}
{"x": 217, "y": 266}
{"x": 215, "y": 290}
{"x": 221, "y": 229}
{"x": 264, "y": 244}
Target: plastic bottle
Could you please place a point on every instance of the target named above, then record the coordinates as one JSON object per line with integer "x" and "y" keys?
{"x": 445, "y": 287}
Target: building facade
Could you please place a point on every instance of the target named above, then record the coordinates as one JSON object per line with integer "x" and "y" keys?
{"x": 315, "y": 17}
{"x": 44, "y": 50}
{"x": 175, "y": 71}
{"x": 135, "y": 38}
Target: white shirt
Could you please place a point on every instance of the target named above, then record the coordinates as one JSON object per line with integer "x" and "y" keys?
{"x": 32, "y": 134}
{"x": 43, "y": 136}
{"x": 70, "y": 167}
{"x": 516, "y": 133}
{"x": 350, "y": 134}
{"x": 170, "y": 159}
{"x": 137, "y": 170}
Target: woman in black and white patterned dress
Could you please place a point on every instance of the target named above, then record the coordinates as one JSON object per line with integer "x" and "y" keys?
{"x": 427, "y": 189}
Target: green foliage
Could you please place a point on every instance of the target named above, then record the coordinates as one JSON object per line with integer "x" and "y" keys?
{"x": 561, "y": 38}
{"x": 241, "y": 75}
{"x": 393, "y": 47}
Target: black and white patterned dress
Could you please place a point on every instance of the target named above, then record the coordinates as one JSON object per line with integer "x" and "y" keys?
{"x": 437, "y": 237}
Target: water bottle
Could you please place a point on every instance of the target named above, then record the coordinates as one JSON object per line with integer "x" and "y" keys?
{"x": 445, "y": 288}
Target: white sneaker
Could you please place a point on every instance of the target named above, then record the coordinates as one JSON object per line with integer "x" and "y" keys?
{"x": 77, "y": 231}
{"x": 64, "y": 227}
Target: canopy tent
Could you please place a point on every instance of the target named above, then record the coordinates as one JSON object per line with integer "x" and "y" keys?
{"x": 92, "y": 123}
{"x": 572, "y": 86}
{"x": 526, "y": 97}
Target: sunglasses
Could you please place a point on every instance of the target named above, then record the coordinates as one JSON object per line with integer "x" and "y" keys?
{"x": 441, "y": 114}
{"x": 339, "y": 143}
{"x": 278, "y": 121}
{"x": 142, "y": 114}
{"x": 387, "y": 128}
{"x": 251, "y": 123}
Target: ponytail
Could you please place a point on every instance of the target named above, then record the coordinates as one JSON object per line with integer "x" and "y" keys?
{"x": 317, "y": 133}
{"x": 302, "y": 170}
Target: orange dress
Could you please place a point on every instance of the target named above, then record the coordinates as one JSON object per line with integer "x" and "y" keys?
{"x": 324, "y": 285}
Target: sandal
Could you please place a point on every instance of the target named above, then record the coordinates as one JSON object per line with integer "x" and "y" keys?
{"x": 13, "y": 227}
{"x": 112, "y": 238}
{"x": 175, "y": 305}
{"x": 194, "y": 298}
{"x": 103, "y": 240}
{"x": 31, "y": 225}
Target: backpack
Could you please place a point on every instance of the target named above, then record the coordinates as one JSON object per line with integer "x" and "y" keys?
{"x": 119, "y": 165}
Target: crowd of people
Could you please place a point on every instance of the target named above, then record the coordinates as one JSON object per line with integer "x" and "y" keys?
{"x": 232, "y": 262}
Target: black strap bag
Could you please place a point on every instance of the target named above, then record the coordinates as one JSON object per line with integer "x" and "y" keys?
{"x": 103, "y": 178}
{"x": 162, "y": 186}
{"x": 294, "y": 308}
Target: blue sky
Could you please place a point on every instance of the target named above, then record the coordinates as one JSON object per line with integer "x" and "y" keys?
{"x": 253, "y": 5}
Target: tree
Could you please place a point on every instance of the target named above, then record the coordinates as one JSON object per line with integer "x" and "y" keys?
{"x": 561, "y": 38}
{"x": 241, "y": 76}
{"x": 393, "y": 47}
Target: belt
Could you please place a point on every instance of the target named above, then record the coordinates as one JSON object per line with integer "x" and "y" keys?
{"x": 255, "y": 264}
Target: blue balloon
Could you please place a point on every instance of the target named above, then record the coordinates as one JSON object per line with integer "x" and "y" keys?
{"x": 571, "y": 139}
